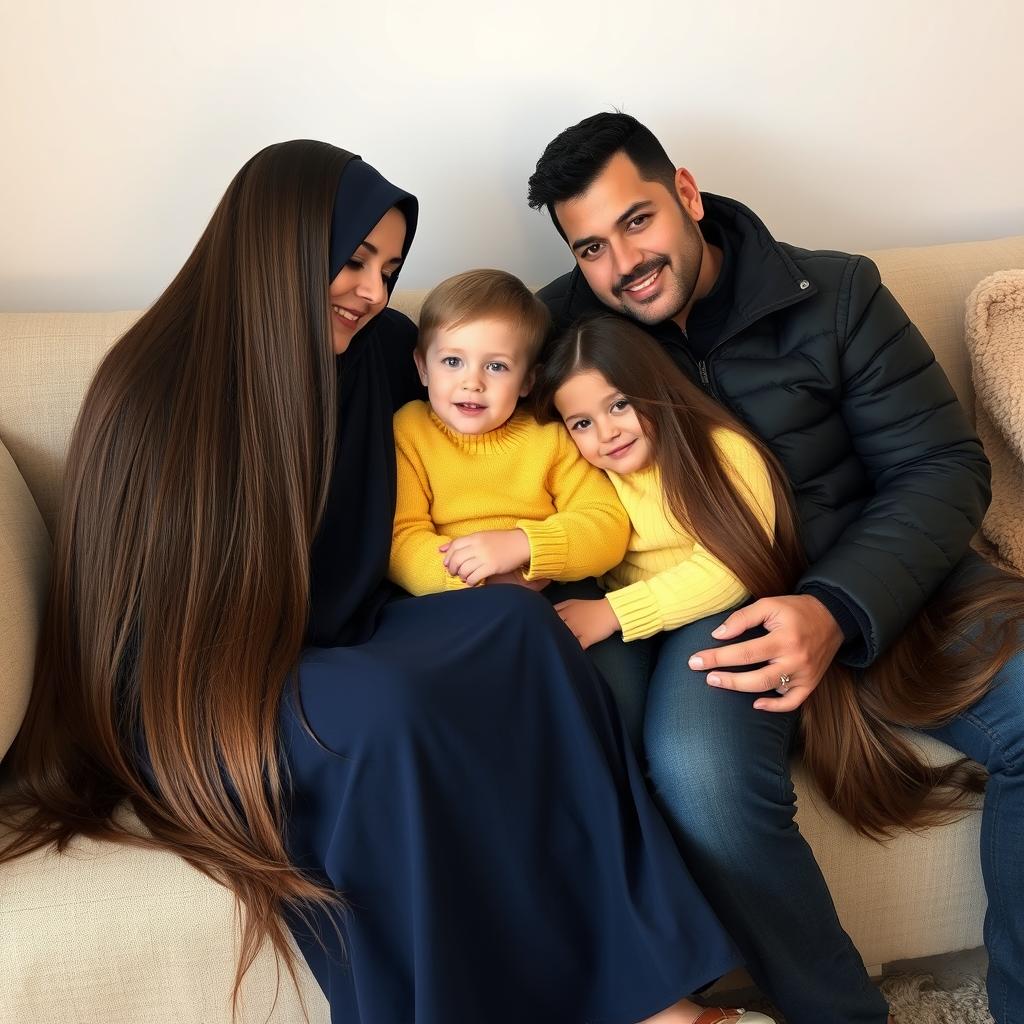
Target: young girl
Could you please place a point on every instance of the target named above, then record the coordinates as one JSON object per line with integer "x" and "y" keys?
{"x": 713, "y": 524}
{"x": 711, "y": 520}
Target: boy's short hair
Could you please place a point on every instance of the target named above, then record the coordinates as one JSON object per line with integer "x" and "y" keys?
{"x": 485, "y": 295}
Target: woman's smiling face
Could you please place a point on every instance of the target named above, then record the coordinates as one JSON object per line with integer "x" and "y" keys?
{"x": 360, "y": 291}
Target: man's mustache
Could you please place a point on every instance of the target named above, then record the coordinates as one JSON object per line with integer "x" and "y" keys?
{"x": 638, "y": 274}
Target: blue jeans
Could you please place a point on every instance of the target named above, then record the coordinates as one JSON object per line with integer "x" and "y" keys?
{"x": 721, "y": 777}
{"x": 992, "y": 732}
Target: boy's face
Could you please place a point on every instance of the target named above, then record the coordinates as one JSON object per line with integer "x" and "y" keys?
{"x": 475, "y": 373}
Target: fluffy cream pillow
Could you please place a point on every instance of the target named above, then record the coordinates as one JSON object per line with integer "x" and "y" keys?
{"x": 995, "y": 342}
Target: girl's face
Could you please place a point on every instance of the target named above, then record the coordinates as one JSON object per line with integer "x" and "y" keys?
{"x": 603, "y": 424}
{"x": 360, "y": 291}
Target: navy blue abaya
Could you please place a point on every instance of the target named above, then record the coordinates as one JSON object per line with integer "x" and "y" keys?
{"x": 466, "y": 785}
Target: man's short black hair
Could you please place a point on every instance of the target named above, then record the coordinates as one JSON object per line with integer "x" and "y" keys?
{"x": 573, "y": 160}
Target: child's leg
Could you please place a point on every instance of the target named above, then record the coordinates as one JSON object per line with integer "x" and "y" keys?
{"x": 625, "y": 667}
{"x": 720, "y": 773}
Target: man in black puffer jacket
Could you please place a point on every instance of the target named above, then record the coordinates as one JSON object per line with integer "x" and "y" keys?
{"x": 813, "y": 353}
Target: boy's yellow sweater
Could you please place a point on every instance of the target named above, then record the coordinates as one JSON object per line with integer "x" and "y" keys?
{"x": 524, "y": 474}
{"x": 668, "y": 578}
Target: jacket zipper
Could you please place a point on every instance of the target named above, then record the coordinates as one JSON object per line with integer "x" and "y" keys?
{"x": 702, "y": 364}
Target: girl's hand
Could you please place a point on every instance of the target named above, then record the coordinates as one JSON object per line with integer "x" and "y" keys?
{"x": 590, "y": 621}
{"x": 478, "y": 556}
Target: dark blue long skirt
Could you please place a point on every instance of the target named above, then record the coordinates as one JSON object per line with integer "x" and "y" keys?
{"x": 474, "y": 798}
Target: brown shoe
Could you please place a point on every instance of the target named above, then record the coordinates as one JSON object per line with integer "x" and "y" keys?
{"x": 732, "y": 1015}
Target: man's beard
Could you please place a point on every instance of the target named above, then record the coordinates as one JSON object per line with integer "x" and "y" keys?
{"x": 679, "y": 287}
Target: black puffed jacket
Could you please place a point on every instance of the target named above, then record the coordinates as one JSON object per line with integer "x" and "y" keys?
{"x": 819, "y": 360}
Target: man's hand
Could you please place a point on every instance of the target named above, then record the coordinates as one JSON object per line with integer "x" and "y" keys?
{"x": 488, "y": 553}
{"x": 802, "y": 640}
{"x": 591, "y": 621}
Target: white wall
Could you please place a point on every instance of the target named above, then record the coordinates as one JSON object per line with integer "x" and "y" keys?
{"x": 852, "y": 125}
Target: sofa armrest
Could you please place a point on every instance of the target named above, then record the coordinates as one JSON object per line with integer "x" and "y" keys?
{"x": 24, "y": 572}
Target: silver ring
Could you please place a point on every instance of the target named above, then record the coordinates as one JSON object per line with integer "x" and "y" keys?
{"x": 784, "y": 681}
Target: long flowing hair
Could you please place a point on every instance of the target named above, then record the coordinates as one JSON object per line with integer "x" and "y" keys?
{"x": 197, "y": 473}
{"x": 868, "y": 770}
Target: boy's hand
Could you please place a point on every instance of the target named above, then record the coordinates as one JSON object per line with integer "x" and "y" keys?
{"x": 488, "y": 553}
{"x": 591, "y": 621}
{"x": 517, "y": 579}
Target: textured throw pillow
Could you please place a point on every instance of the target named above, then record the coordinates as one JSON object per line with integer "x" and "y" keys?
{"x": 995, "y": 343}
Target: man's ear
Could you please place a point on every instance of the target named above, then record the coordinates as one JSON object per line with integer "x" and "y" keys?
{"x": 528, "y": 382}
{"x": 421, "y": 365}
{"x": 689, "y": 194}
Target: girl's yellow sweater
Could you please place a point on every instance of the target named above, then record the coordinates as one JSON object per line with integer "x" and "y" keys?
{"x": 668, "y": 578}
{"x": 523, "y": 475}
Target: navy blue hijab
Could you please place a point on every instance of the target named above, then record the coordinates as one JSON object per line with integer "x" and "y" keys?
{"x": 376, "y": 375}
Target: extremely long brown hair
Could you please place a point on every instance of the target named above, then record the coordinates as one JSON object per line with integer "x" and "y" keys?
{"x": 868, "y": 771}
{"x": 197, "y": 473}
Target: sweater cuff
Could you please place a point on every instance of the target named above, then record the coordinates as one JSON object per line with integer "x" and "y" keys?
{"x": 549, "y": 548}
{"x": 453, "y": 582}
{"x": 637, "y": 611}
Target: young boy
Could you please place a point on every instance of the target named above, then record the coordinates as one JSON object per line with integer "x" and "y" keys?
{"x": 486, "y": 494}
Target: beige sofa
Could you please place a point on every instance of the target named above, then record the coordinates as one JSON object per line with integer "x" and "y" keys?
{"x": 121, "y": 936}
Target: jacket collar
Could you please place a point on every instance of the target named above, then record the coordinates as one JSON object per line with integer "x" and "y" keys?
{"x": 765, "y": 277}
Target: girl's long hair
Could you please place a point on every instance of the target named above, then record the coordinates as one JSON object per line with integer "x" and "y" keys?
{"x": 197, "y": 473}
{"x": 867, "y": 769}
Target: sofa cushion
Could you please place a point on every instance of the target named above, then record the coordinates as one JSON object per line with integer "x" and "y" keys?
{"x": 24, "y": 571}
{"x": 46, "y": 363}
{"x": 919, "y": 894}
{"x": 931, "y": 283}
{"x": 409, "y": 301}
{"x": 112, "y": 934}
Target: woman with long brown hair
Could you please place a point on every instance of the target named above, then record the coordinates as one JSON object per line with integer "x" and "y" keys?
{"x": 683, "y": 459}
{"x": 435, "y": 794}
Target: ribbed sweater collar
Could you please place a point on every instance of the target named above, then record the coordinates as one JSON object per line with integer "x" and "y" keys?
{"x": 506, "y": 438}
{"x": 641, "y": 480}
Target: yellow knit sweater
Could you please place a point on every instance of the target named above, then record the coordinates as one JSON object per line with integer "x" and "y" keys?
{"x": 668, "y": 578}
{"x": 523, "y": 474}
